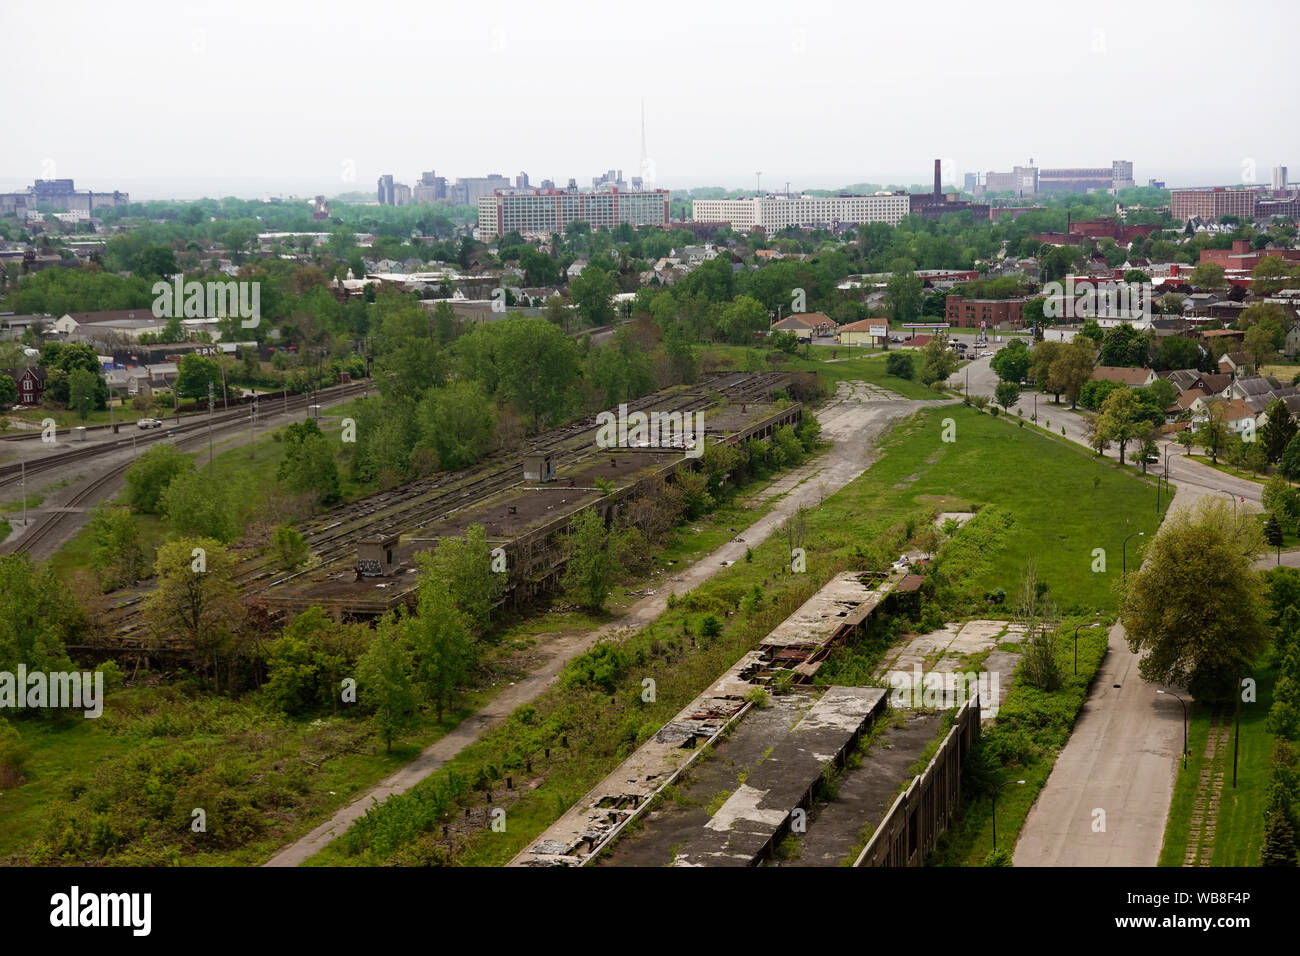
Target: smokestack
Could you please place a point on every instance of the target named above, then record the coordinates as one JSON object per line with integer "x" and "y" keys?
{"x": 938, "y": 180}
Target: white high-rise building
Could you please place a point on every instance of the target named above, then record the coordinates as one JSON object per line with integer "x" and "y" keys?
{"x": 774, "y": 213}
{"x": 1279, "y": 178}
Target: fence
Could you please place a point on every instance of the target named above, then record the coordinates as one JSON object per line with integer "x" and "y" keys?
{"x": 923, "y": 811}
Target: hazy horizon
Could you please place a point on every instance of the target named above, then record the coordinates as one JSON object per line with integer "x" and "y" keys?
{"x": 249, "y": 99}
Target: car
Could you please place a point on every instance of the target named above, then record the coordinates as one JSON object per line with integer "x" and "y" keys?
{"x": 149, "y": 423}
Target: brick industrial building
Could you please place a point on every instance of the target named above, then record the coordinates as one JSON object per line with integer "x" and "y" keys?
{"x": 972, "y": 313}
{"x": 935, "y": 204}
{"x": 1212, "y": 204}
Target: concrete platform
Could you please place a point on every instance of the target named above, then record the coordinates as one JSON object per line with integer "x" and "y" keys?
{"x": 757, "y": 814}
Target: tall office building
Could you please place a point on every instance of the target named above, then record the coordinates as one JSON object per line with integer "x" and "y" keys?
{"x": 1279, "y": 179}
{"x": 1121, "y": 174}
{"x": 543, "y": 211}
{"x": 385, "y": 190}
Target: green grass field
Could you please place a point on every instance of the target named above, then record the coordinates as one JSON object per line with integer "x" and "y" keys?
{"x": 1088, "y": 504}
{"x": 869, "y": 367}
{"x": 1239, "y": 829}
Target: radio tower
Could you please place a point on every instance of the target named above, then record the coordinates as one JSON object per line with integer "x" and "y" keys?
{"x": 644, "y": 161}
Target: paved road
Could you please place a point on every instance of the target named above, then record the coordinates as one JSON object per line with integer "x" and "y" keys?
{"x": 1106, "y": 802}
{"x": 854, "y": 420}
{"x": 1194, "y": 480}
{"x": 1116, "y": 771}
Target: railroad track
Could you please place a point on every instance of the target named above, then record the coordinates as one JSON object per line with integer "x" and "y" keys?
{"x": 13, "y": 473}
{"x": 333, "y": 535}
{"x": 54, "y": 519}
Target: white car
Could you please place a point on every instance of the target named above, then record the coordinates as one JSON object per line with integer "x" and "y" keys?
{"x": 149, "y": 423}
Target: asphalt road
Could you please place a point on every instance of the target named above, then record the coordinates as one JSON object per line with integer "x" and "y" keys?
{"x": 1106, "y": 802}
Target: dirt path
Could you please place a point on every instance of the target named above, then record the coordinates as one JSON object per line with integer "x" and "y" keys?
{"x": 853, "y": 421}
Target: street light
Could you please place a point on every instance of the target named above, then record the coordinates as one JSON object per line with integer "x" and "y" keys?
{"x": 1232, "y": 498}
{"x": 1076, "y": 643}
{"x": 1184, "y": 703}
{"x": 996, "y": 791}
{"x": 1124, "y": 549}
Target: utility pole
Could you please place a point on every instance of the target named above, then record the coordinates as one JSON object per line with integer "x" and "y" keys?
{"x": 24, "y": 472}
{"x": 252, "y": 430}
{"x": 210, "y": 409}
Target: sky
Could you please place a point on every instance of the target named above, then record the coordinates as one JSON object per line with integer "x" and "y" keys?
{"x": 189, "y": 98}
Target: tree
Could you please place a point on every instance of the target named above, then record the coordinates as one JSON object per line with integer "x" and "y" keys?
{"x": 151, "y": 473}
{"x": 1012, "y": 361}
{"x": 900, "y": 365}
{"x": 1123, "y": 345}
{"x": 1006, "y": 394}
{"x": 116, "y": 553}
{"x": 595, "y": 561}
{"x": 1212, "y": 431}
{"x": 466, "y": 565}
{"x": 1038, "y": 616}
{"x": 1120, "y": 419}
{"x": 1278, "y": 431}
{"x": 194, "y": 601}
{"x": 384, "y": 681}
{"x": 83, "y": 389}
{"x": 1258, "y": 343}
{"x": 194, "y": 506}
{"x": 592, "y": 293}
{"x": 938, "y": 361}
{"x": 1208, "y": 276}
{"x": 458, "y": 423}
{"x": 195, "y": 373}
{"x": 903, "y": 296}
{"x": 38, "y": 617}
{"x": 308, "y": 465}
{"x": 1072, "y": 369}
{"x": 1289, "y": 463}
{"x": 739, "y": 321}
{"x": 290, "y": 547}
{"x": 440, "y": 636}
{"x": 538, "y": 365}
{"x": 1195, "y": 607}
{"x": 8, "y": 390}
{"x": 1177, "y": 351}
{"x": 1040, "y": 364}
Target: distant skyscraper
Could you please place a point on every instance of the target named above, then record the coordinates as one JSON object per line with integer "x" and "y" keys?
{"x": 521, "y": 181}
{"x": 1279, "y": 178}
{"x": 386, "y": 193}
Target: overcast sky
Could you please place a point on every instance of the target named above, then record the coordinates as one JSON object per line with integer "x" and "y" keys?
{"x": 182, "y": 99}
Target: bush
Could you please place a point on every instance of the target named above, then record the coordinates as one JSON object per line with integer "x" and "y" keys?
{"x": 13, "y": 756}
{"x": 900, "y": 365}
{"x": 999, "y": 857}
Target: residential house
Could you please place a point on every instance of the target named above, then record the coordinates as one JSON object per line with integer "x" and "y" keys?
{"x": 30, "y": 382}
{"x": 1237, "y": 364}
{"x": 805, "y": 325}
{"x": 1132, "y": 377}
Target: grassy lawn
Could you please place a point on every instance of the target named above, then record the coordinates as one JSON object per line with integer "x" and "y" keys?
{"x": 1227, "y": 469}
{"x": 869, "y": 367}
{"x": 1001, "y": 468}
{"x": 1239, "y": 833}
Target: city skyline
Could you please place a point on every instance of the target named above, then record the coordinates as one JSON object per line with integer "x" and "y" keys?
{"x": 863, "y": 109}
